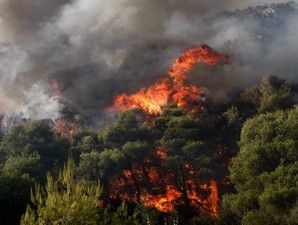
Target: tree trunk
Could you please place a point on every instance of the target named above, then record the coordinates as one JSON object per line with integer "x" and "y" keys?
{"x": 185, "y": 218}
{"x": 136, "y": 184}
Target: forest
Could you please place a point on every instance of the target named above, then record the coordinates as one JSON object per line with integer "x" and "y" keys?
{"x": 229, "y": 163}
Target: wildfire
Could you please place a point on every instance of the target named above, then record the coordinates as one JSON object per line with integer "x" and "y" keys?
{"x": 61, "y": 126}
{"x": 164, "y": 195}
{"x": 162, "y": 191}
{"x": 172, "y": 197}
{"x": 173, "y": 88}
{"x": 163, "y": 202}
{"x": 149, "y": 99}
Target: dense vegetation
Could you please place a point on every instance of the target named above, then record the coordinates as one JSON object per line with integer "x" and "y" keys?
{"x": 247, "y": 145}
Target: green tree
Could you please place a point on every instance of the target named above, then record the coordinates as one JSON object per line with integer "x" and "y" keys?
{"x": 229, "y": 126}
{"x": 122, "y": 215}
{"x": 86, "y": 141}
{"x": 64, "y": 201}
{"x": 101, "y": 166}
{"x": 36, "y": 138}
{"x": 18, "y": 166}
{"x": 69, "y": 201}
{"x": 272, "y": 94}
{"x": 265, "y": 170}
{"x": 129, "y": 127}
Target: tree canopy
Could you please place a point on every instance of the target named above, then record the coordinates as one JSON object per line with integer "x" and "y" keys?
{"x": 265, "y": 170}
{"x": 226, "y": 163}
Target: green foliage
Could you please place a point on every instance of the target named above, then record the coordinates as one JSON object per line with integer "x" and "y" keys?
{"x": 271, "y": 95}
{"x": 70, "y": 114}
{"x": 183, "y": 136}
{"x": 265, "y": 170}
{"x": 101, "y": 166}
{"x": 232, "y": 117}
{"x": 27, "y": 138}
{"x": 160, "y": 122}
{"x": 64, "y": 201}
{"x": 229, "y": 126}
{"x": 136, "y": 151}
{"x": 97, "y": 165}
{"x": 266, "y": 142}
{"x": 252, "y": 96}
{"x": 121, "y": 216}
{"x": 86, "y": 141}
{"x": 276, "y": 94}
{"x": 68, "y": 201}
{"x": 88, "y": 144}
{"x": 18, "y": 166}
{"x": 129, "y": 127}
{"x": 35, "y": 138}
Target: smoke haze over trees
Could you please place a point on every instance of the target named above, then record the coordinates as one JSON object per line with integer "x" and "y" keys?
{"x": 97, "y": 49}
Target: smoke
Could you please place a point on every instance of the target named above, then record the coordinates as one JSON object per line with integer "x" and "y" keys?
{"x": 96, "y": 49}
{"x": 259, "y": 45}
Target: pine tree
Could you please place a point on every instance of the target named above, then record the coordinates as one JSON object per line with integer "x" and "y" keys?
{"x": 64, "y": 201}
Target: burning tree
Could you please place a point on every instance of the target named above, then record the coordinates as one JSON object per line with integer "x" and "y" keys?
{"x": 188, "y": 160}
{"x": 136, "y": 142}
{"x": 171, "y": 173}
{"x": 165, "y": 165}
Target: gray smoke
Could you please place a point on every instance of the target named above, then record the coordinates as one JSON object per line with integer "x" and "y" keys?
{"x": 96, "y": 49}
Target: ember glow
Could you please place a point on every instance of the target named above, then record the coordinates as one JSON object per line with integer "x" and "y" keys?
{"x": 173, "y": 88}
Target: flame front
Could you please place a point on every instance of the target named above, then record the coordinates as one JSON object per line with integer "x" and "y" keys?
{"x": 173, "y": 88}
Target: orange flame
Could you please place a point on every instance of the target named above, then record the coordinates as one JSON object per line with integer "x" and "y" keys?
{"x": 172, "y": 197}
{"x": 213, "y": 198}
{"x": 163, "y": 202}
{"x": 148, "y": 99}
{"x": 172, "y": 89}
{"x": 164, "y": 195}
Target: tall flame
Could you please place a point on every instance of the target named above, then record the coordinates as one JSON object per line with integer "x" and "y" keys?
{"x": 173, "y": 88}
